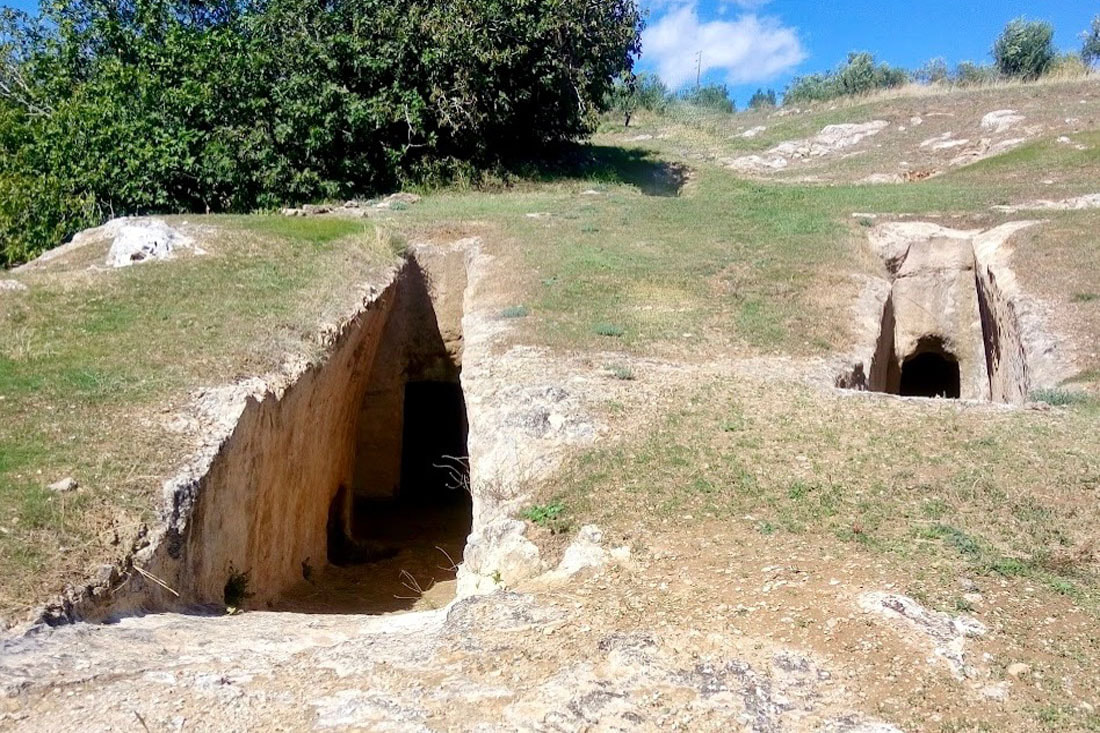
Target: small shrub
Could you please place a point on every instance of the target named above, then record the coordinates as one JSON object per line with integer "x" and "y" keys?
{"x": 1084, "y": 297}
{"x": 542, "y": 513}
{"x": 1067, "y": 66}
{"x": 609, "y": 329}
{"x": 1059, "y": 397}
{"x": 969, "y": 74}
{"x": 514, "y": 311}
{"x": 963, "y": 605}
{"x": 1025, "y": 49}
{"x": 548, "y": 516}
{"x": 624, "y": 373}
{"x": 710, "y": 96}
{"x": 236, "y": 592}
{"x": 762, "y": 99}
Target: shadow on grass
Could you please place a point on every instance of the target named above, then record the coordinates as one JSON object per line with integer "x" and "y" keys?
{"x": 606, "y": 164}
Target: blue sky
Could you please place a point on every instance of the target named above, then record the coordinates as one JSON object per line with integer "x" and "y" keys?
{"x": 752, "y": 43}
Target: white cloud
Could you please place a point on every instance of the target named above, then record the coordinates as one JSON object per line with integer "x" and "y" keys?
{"x": 750, "y": 49}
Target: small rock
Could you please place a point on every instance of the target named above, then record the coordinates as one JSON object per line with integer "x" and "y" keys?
{"x": 968, "y": 585}
{"x": 141, "y": 240}
{"x": 1018, "y": 669}
{"x": 997, "y": 691}
{"x": 12, "y": 286}
{"x": 401, "y": 198}
{"x": 64, "y": 485}
{"x": 1001, "y": 120}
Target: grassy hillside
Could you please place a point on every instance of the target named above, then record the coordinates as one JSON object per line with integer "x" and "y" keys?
{"x": 717, "y": 295}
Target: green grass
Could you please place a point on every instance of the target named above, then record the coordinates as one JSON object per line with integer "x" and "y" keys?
{"x": 620, "y": 372}
{"x": 514, "y": 311}
{"x": 1059, "y": 397}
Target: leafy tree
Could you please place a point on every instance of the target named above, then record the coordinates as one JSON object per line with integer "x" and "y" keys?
{"x": 1025, "y": 49}
{"x": 934, "y": 71}
{"x": 710, "y": 96}
{"x": 111, "y": 107}
{"x": 623, "y": 97}
{"x": 652, "y": 93}
{"x": 762, "y": 99}
{"x": 1090, "y": 43}
{"x": 859, "y": 74}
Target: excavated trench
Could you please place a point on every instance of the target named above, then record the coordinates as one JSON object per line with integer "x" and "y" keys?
{"x": 947, "y": 328}
{"x": 347, "y": 491}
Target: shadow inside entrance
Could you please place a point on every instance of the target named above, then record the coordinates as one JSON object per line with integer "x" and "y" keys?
{"x": 424, "y": 543}
{"x": 400, "y": 553}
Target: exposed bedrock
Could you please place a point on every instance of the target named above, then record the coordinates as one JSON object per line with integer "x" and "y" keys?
{"x": 951, "y": 320}
{"x": 300, "y": 469}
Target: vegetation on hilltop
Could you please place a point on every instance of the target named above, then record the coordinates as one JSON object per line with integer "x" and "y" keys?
{"x": 112, "y": 107}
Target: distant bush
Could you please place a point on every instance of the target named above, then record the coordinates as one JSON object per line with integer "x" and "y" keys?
{"x": 642, "y": 91}
{"x": 111, "y": 107}
{"x": 710, "y": 96}
{"x": 1025, "y": 49}
{"x": 1067, "y": 66}
{"x": 1090, "y": 43}
{"x": 969, "y": 74}
{"x": 652, "y": 93}
{"x": 859, "y": 74}
{"x": 933, "y": 71}
{"x": 762, "y": 99}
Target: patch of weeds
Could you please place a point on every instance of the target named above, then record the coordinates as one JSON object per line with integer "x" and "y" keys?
{"x": 1066, "y": 717}
{"x": 766, "y": 528}
{"x": 548, "y": 516}
{"x": 1059, "y": 397}
{"x": 609, "y": 329}
{"x": 1009, "y": 567}
{"x": 619, "y": 371}
{"x": 1063, "y": 587}
{"x": 865, "y": 222}
{"x": 934, "y": 508}
{"x": 589, "y": 229}
{"x": 514, "y": 311}
{"x": 798, "y": 490}
{"x": 964, "y": 606}
{"x": 236, "y": 592}
{"x": 956, "y": 538}
{"x": 1084, "y": 297}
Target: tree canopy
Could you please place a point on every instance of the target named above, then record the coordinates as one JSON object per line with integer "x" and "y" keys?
{"x": 111, "y": 107}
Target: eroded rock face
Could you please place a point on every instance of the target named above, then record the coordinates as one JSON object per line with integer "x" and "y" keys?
{"x": 952, "y": 294}
{"x": 498, "y": 554}
{"x": 508, "y": 660}
{"x": 831, "y": 139}
{"x": 934, "y": 297}
{"x": 945, "y": 635}
{"x": 1001, "y": 120}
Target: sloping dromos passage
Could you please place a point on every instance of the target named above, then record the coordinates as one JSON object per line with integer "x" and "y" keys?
{"x": 951, "y": 322}
{"x": 345, "y": 491}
